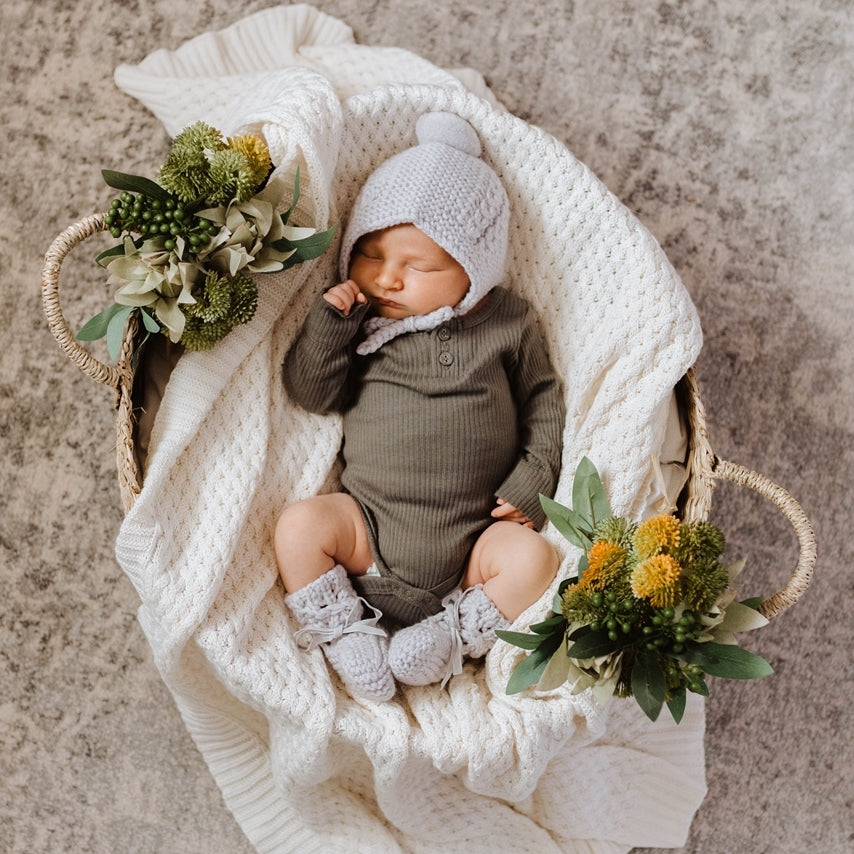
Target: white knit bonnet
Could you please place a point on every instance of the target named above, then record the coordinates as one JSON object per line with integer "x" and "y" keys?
{"x": 443, "y": 188}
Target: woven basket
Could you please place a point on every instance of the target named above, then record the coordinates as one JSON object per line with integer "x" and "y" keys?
{"x": 704, "y": 468}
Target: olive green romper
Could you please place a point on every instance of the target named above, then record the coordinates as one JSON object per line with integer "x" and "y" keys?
{"x": 437, "y": 425}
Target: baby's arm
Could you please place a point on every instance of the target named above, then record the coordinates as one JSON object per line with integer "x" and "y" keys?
{"x": 539, "y": 399}
{"x": 316, "y": 370}
{"x": 344, "y": 295}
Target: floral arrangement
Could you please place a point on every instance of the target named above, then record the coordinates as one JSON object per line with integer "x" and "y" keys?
{"x": 650, "y": 614}
{"x": 190, "y": 241}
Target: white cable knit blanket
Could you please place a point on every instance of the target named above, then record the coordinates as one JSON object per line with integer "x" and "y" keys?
{"x": 303, "y": 766}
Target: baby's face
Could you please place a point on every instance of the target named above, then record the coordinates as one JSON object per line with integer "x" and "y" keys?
{"x": 403, "y": 272}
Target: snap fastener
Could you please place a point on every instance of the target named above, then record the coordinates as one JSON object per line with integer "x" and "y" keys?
{"x": 446, "y": 359}
{"x": 444, "y": 333}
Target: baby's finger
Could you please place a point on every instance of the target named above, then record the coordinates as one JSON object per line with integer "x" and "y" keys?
{"x": 336, "y": 301}
{"x": 505, "y": 511}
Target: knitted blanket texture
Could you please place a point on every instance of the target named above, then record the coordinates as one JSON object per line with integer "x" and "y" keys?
{"x": 302, "y": 765}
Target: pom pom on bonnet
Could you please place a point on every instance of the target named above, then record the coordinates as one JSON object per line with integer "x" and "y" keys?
{"x": 444, "y": 188}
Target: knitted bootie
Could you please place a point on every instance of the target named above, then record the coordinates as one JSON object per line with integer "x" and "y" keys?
{"x": 330, "y": 613}
{"x": 432, "y": 650}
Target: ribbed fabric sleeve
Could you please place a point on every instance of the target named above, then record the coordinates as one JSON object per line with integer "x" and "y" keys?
{"x": 316, "y": 368}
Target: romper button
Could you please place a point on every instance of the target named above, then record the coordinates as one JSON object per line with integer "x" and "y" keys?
{"x": 444, "y": 333}
{"x": 446, "y": 359}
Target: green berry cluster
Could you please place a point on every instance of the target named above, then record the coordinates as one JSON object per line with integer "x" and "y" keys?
{"x": 668, "y": 635}
{"x": 150, "y": 217}
{"x": 615, "y": 615}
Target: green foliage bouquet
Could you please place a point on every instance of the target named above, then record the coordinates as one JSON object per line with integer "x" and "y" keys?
{"x": 190, "y": 241}
{"x": 650, "y": 614}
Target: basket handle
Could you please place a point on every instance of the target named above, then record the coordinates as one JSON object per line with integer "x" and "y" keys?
{"x": 61, "y": 246}
{"x": 742, "y": 476}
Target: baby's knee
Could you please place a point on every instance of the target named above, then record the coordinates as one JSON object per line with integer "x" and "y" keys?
{"x": 514, "y": 548}
{"x": 310, "y": 517}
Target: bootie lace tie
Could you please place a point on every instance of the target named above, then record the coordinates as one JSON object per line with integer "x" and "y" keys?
{"x": 340, "y": 619}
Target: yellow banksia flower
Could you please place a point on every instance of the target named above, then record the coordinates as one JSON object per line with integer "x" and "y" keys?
{"x": 257, "y": 155}
{"x": 657, "y": 579}
{"x": 605, "y": 562}
{"x": 656, "y": 535}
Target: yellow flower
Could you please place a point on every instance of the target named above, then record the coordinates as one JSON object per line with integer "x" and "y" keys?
{"x": 605, "y": 561}
{"x": 657, "y": 534}
{"x": 657, "y": 579}
{"x": 257, "y": 155}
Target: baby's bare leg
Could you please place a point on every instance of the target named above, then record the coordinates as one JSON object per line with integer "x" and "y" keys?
{"x": 314, "y": 535}
{"x": 514, "y": 564}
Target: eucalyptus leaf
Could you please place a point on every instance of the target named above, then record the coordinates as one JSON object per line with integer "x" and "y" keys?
{"x": 530, "y": 670}
{"x": 96, "y": 327}
{"x": 151, "y": 325}
{"x": 556, "y": 671}
{"x": 726, "y": 660}
{"x": 649, "y": 684}
{"x": 526, "y": 674}
{"x": 135, "y": 184}
{"x": 589, "y": 499}
{"x": 573, "y": 527}
{"x": 116, "y": 330}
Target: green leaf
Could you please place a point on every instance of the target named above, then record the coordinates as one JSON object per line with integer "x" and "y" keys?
{"x": 676, "y": 704}
{"x": 649, "y": 684}
{"x": 726, "y": 660}
{"x": 287, "y": 214}
{"x": 116, "y": 330}
{"x": 96, "y": 327}
{"x": 556, "y": 671}
{"x": 589, "y": 499}
{"x": 573, "y": 527}
{"x": 135, "y": 184}
{"x": 557, "y": 603}
{"x": 558, "y": 622}
{"x": 583, "y": 563}
{"x": 307, "y": 248}
{"x": 520, "y": 639}
{"x": 151, "y": 325}
{"x": 531, "y": 668}
{"x": 700, "y": 687}
{"x": 115, "y": 252}
{"x": 753, "y": 602}
{"x": 590, "y": 644}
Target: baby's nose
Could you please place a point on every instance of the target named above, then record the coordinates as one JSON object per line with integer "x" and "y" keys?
{"x": 389, "y": 278}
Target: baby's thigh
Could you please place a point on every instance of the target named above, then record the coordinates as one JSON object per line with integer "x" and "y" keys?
{"x": 331, "y": 523}
{"x": 514, "y": 556}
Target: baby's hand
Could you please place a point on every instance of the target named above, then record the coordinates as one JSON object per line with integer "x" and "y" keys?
{"x": 506, "y": 512}
{"x": 343, "y": 296}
